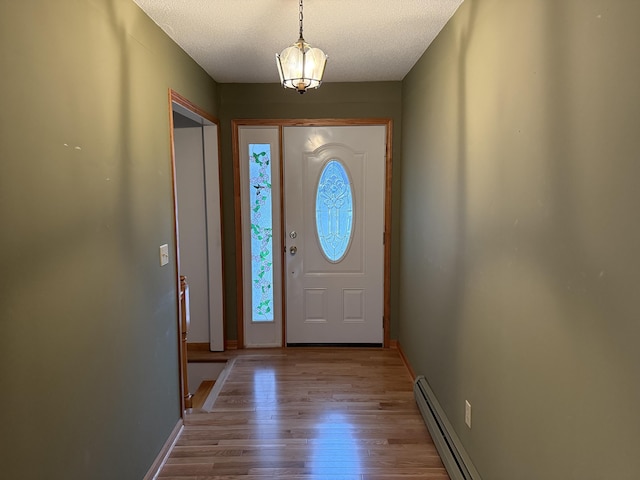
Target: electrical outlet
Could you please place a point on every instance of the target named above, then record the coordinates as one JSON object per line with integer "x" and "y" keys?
{"x": 467, "y": 413}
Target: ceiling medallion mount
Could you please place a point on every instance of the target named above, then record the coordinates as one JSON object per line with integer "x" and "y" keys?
{"x": 301, "y": 66}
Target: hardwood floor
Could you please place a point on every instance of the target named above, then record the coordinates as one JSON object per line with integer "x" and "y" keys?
{"x": 201, "y": 394}
{"x": 309, "y": 414}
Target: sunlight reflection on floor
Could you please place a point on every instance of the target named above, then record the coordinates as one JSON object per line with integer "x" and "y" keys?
{"x": 264, "y": 386}
{"x": 335, "y": 449}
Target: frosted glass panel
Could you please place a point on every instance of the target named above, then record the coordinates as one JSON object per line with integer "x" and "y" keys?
{"x": 261, "y": 232}
{"x": 334, "y": 211}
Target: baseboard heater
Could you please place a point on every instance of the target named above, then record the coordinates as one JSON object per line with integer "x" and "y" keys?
{"x": 454, "y": 457}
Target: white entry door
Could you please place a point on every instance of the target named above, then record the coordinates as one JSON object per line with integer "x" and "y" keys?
{"x": 334, "y": 228}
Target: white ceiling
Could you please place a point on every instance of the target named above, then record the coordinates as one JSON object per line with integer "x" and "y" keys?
{"x": 235, "y": 41}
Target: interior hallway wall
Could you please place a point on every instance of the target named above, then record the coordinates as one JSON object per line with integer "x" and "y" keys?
{"x": 519, "y": 234}
{"x": 88, "y": 318}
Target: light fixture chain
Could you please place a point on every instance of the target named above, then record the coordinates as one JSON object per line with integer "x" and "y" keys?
{"x": 300, "y": 18}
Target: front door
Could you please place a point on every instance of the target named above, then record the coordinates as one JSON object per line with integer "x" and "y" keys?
{"x": 334, "y": 206}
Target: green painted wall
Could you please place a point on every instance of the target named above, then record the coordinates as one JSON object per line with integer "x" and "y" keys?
{"x": 331, "y": 100}
{"x": 519, "y": 234}
{"x": 88, "y": 349}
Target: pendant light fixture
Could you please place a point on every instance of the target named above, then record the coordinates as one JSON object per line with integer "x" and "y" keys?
{"x": 300, "y": 66}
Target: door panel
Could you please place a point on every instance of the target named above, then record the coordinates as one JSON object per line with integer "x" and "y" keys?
{"x": 259, "y": 155}
{"x": 334, "y": 301}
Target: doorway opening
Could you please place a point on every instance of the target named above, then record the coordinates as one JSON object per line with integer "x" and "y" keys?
{"x": 198, "y": 229}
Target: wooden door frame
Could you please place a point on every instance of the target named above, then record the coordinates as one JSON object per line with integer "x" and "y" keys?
{"x": 175, "y": 97}
{"x": 321, "y": 122}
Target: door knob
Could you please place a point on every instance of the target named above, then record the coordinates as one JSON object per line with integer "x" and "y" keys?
{"x": 293, "y": 250}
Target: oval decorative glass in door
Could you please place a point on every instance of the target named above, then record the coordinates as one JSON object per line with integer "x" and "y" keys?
{"x": 334, "y": 211}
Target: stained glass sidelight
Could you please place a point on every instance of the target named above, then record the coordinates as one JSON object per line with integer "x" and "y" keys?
{"x": 261, "y": 232}
{"x": 334, "y": 211}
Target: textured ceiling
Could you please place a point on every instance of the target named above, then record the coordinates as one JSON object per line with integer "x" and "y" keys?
{"x": 235, "y": 41}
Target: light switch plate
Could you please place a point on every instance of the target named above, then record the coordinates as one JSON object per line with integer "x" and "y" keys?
{"x": 164, "y": 254}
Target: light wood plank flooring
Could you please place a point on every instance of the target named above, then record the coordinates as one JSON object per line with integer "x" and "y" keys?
{"x": 309, "y": 414}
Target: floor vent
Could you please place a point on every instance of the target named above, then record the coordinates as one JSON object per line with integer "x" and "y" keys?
{"x": 455, "y": 459}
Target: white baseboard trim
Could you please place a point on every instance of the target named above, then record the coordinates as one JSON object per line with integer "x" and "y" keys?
{"x": 161, "y": 459}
